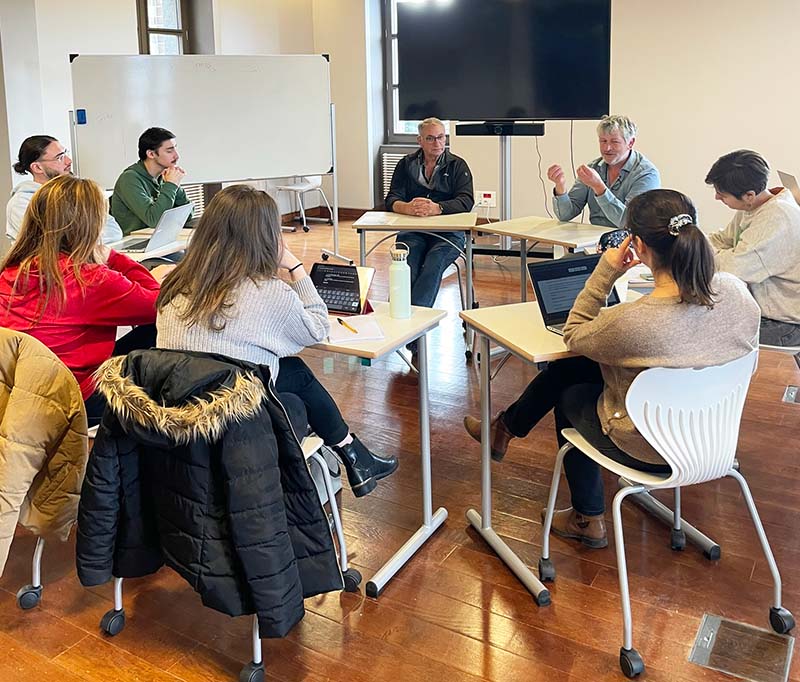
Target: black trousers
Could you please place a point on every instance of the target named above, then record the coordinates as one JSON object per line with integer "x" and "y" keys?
{"x": 324, "y": 417}
{"x": 571, "y": 388}
{"x": 143, "y": 336}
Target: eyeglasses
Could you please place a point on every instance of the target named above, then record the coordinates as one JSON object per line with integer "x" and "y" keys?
{"x": 58, "y": 157}
{"x": 435, "y": 138}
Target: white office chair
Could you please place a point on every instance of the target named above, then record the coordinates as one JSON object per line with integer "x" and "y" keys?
{"x": 691, "y": 417}
{"x": 309, "y": 183}
{"x": 113, "y": 621}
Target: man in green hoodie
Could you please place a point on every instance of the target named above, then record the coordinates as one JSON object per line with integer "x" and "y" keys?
{"x": 151, "y": 185}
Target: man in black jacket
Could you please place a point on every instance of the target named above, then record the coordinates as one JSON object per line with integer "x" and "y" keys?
{"x": 430, "y": 182}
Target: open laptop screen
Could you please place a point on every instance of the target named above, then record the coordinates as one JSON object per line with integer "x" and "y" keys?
{"x": 557, "y": 284}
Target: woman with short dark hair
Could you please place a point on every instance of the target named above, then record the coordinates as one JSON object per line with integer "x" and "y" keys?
{"x": 761, "y": 245}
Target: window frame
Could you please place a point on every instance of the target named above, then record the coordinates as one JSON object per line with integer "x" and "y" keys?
{"x": 388, "y": 36}
{"x": 145, "y": 31}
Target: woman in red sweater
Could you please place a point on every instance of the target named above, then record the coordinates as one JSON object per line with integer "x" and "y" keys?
{"x": 61, "y": 285}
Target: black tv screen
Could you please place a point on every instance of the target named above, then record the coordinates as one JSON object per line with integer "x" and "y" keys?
{"x": 478, "y": 60}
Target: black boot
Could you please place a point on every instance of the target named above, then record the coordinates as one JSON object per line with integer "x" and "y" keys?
{"x": 364, "y": 468}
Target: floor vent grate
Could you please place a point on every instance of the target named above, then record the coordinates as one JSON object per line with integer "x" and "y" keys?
{"x": 743, "y": 651}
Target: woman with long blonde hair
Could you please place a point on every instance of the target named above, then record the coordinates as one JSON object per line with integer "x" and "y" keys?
{"x": 61, "y": 285}
{"x": 226, "y": 297}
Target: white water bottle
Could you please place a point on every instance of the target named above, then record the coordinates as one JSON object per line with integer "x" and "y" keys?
{"x": 399, "y": 283}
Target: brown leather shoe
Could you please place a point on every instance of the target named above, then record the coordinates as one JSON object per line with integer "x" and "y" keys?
{"x": 500, "y": 435}
{"x": 590, "y": 530}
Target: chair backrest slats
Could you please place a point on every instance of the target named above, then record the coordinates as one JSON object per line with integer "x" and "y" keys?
{"x": 692, "y": 416}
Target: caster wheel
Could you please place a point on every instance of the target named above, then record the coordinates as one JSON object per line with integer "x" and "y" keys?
{"x": 325, "y": 256}
{"x": 547, "y": 572}
{"x": 113, "y": 622}
{"x": 330, "y": 222}
{"x": 352, "y": 579}
{"x": 714, "y": 553}
{"x": 677, "y": 540}
{"x": 306, "y": 228}
{"x": 29, "y": 596}
{"x": 631, "y": 663}
{"x": 468, "y": 355}
{"x": 781, "y": 620}
{"x": 252, "y": 672}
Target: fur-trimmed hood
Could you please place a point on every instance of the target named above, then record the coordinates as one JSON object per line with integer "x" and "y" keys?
{"x": 169, "y": 397}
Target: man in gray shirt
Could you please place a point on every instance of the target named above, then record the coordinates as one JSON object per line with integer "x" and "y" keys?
{"x": 610, "y": 181}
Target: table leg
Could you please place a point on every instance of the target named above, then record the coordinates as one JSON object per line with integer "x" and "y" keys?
{"x": 523, "y": 270}
{"x": 470, "y": 295}
{"x": 483, "y": 522}
{"x": 362, "y": 248}
{"x": 430, "y": 520}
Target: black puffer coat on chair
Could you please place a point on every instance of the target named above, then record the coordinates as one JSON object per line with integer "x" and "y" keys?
{"x": 195, "y": 465}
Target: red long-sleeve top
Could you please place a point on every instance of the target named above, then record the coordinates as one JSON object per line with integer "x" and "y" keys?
{"x": 82, "y": 332}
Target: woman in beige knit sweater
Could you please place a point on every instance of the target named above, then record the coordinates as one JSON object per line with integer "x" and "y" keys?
{"x": 693, "y": 318}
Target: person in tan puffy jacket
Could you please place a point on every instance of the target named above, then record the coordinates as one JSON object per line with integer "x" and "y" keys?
{"x": 43, "y": 441}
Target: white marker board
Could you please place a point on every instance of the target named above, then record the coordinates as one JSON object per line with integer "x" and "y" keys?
{"x": 234, "y": 117}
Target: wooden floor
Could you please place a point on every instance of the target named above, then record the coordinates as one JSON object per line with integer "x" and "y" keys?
{"x": 454, "y": 613}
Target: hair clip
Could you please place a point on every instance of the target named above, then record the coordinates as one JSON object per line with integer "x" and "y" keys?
{"x": 676, "y": 222}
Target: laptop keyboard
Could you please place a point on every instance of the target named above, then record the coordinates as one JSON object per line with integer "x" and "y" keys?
{"x": 338, "y": 300}
{"x": 137, "y": 246}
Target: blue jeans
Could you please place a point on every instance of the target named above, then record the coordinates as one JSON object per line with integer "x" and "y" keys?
{"x": 775, "y": 333}
{"x": 429, "y": 256}
{"x": 577, "y": 408}
{"x": 324, "y": 418}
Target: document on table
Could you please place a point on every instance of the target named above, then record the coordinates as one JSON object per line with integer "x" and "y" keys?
{"x": 356, "y": 329}
{"x": 379, "y": 219}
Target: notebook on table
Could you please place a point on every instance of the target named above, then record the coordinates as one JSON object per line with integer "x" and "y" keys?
{"x": 557, "y": 284}
{"x": 343, "y": 288}
{"x": 165, "y": 232}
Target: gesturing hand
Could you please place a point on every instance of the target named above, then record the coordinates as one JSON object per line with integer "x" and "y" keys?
{"x": 590, "y": 178}
{"x": 557, "y": 176}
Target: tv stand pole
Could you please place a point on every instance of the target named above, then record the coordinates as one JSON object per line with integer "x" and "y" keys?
{"x": 505, "y": 130}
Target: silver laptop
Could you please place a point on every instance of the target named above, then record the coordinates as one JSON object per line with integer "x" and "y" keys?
{"x": 557, "y": 284}
{"x": 166, "y": 232}
{"x": 790, "y": 183}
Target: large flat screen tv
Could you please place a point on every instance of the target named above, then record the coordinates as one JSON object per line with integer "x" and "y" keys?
{"x": 477, "y": 60}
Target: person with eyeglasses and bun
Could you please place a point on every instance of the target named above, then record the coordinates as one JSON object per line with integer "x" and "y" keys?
{"x": 694, "y": 317}
{"x": 45, "y": 158}
{"x": 431, "y": 181}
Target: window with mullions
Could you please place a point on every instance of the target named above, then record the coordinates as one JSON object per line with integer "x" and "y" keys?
{"x": 397, "y": 129}
{"x": 162, "y": 26}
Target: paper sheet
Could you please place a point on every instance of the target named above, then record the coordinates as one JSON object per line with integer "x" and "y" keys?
{"x": 366, "y": 326}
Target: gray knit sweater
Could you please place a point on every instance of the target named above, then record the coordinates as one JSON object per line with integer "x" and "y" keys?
{"x": 655, "y": 332}
{"x": 267, "y": 320}
{"x": 762, "y": 247}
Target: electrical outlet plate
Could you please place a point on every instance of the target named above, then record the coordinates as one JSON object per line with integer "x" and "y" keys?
{"x": 486, "y": 198}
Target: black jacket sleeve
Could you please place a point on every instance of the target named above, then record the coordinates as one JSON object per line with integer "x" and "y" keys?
{"x": 398, "y": 190}
{"x": 463, "y": 195}
{"x": 98, "y": 513}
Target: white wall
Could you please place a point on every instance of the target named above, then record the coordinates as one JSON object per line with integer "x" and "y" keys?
{"x": 21, "y": 76}
{"x": 88, "y": 27}
{"x": 699, "y": 78}
{"x": 340, "y": 29}
{"x": 263, "y": 27}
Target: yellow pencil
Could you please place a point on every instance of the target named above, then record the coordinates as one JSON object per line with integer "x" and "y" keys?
{"x": 346, "y": 326}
